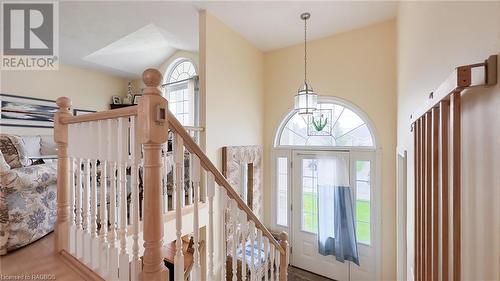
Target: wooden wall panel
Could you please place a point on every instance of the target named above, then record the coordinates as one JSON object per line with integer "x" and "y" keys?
{"x": 417, "y": 157}
{"x": 456, "y": 182}
{"x": 443, "y": 138}
{"x": 428, "y": 196}
{"x": 435, "y": 193}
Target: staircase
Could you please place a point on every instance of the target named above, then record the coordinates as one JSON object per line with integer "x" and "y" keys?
{"x": 108, "y": 231}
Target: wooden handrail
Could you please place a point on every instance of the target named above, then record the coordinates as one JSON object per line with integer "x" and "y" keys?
{"x": 193, "y": 147}
{"x": 102, "y": 115}
{"x": 460, "y": 79}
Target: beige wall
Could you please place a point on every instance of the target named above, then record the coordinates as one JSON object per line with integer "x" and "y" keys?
{"x": 231, "y": 93}
{"x": 435, "y": 37}
{"x": 360, "y": 67}
{"x": 232, "y": 89}
{"x": 88, "y": 89}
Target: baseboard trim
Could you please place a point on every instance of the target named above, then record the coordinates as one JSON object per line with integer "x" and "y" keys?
{"x": 78, "y": 267}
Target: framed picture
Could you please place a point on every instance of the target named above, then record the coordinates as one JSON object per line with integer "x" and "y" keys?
{"x": 21, "y": 111}
{"x": 78, "y": 112}
{"x": 136, "y": 99}
{"x": 116, "y": 100}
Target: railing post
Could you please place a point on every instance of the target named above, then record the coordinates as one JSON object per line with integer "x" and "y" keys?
{"x": 153, "y": 129}
{"x": 61, "y": 138}
{"x": 284, "y": 257}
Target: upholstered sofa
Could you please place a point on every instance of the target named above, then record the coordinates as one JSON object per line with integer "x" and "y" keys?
{"x": 28, "y": 172}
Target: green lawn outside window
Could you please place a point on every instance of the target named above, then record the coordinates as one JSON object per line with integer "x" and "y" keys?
{"x": 310, "y": 217}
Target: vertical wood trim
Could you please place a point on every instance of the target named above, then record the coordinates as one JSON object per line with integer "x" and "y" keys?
{"x": 417, "y": 198}
{"x": 443, "y": 138}
{"x": 422, "y": 199}
{"x": 428, "y": 196}
{"x": 455, "y": 125}
{"x": 435, "y": 193}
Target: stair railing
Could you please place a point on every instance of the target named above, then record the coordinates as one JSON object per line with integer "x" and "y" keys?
{"x": 103, "y": 153}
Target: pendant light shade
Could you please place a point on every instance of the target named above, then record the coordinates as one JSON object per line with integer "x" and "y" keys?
{"x": 306, "y": 100}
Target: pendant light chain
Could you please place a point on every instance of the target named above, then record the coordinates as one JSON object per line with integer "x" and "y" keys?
{"x": 305, "y": 51}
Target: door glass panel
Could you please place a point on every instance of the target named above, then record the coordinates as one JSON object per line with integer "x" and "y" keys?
{"x": 282, "y": 196}
{"x": 363, "y": 202}
{"x": 309, "y": 196}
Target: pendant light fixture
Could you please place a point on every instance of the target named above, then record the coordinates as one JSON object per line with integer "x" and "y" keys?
{"x": 306, "y": 100}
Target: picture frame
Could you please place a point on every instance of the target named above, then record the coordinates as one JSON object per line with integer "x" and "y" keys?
{"x": 136, "y": 99}
{"x": 116, "y": 100}
{"x": 23, "y": 111}
{"x": 78, "y": 112}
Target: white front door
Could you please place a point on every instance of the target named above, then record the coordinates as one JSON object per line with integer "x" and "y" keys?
{"x": 304, "y": 216}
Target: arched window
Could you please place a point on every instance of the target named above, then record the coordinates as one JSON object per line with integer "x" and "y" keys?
{"x": 332, "y": 124}
{"x": 305, "y": 142}
{"x": 181, "y": 91}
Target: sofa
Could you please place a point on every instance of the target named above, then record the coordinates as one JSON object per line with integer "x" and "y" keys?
{"x": 28, "y": 173}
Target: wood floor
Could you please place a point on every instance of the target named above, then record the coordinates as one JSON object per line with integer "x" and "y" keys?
{"x": 38, "y": 262}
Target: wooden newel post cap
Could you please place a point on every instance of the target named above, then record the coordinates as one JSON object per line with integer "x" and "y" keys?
{"x": 64, "y": 104}
{"x": 283, "y": 236}
{"x": 152, "y": 77}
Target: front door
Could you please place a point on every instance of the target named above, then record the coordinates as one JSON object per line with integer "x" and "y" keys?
{"x": 304, "y": 213}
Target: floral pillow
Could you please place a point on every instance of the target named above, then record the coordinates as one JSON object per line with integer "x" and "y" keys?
{"x": 4, "y": 167}
{"x": 13, "y": 151}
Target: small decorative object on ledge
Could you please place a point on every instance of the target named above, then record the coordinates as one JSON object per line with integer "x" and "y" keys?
{"x": 116, "y": 100}
{"x": 136, "y": 99}
{"x": 130, "y": 96}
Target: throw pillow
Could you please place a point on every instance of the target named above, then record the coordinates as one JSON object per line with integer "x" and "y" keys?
{"x": 32, "y": 145}
{"x": 12, "y": 147}
{"x": 48, "y": 145}
{"x": 4, "y": 167}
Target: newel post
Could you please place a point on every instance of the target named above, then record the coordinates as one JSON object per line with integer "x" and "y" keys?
{"x": 61, "y": 138}
{"x": 284, "y": 258}
{"x": 153, "y": 130}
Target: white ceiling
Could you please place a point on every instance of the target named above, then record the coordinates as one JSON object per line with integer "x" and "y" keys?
{"x": 123, "y": 38}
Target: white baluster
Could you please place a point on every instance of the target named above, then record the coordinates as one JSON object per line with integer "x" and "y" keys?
{"x": 95, "y": 251}
{"x": 195, "y": 172}
{"x": 164, "y": 176}
{"x": 225, "y": 230}
{"x": 277, "y": 257}
{"x": 234, "y": 240}
{"x": 266, "y": 259}
{"x": 86, "y": 213}
{"x": 135, "y": 153}
{"x": 72, "y": 222}
{"x": 179, "y": 186}
{"x": 244, "y": 233}
{"x": 113, "y": 250}
{"x": 252, "y": 250}
{"x": 259, "y": 254}
{"x": 190, "y": 180}
{"x": 103, "y": 210}
{"x": 272, "y": 263}
{"x": 122, "y": 152}
{"x": 211, "y": 225}
{"x": 95, "y": 240}
{"x": 78, "y": 198}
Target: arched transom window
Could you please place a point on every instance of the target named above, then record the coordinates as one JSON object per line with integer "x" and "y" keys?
{"x": 332, "y": 124}
{"x": 181, "y": 91}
